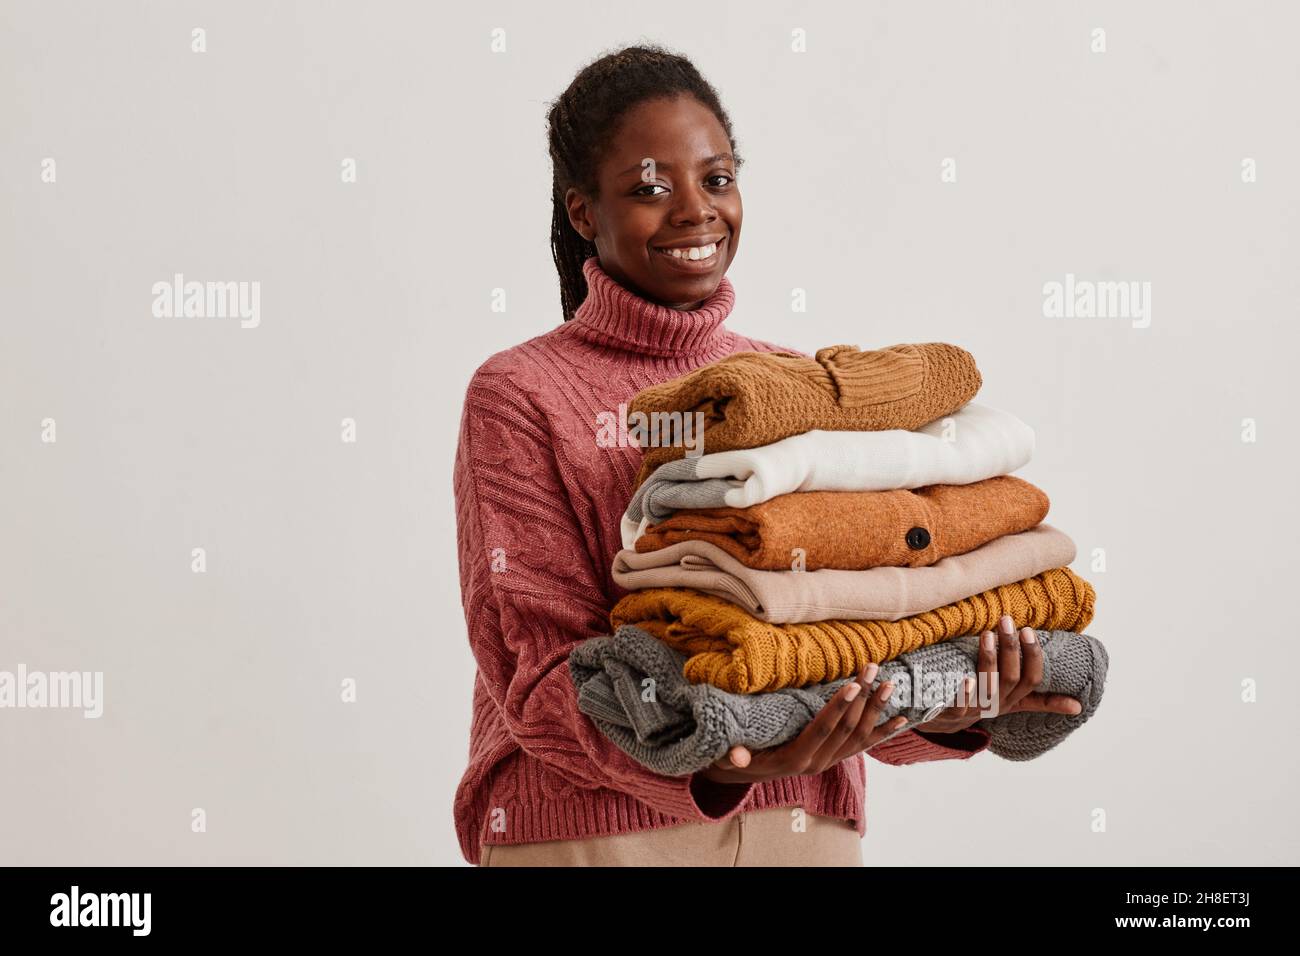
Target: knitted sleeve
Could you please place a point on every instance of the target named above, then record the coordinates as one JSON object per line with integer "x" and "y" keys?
{"x": 915, "y": 746}
{"x": 530, "y": 592}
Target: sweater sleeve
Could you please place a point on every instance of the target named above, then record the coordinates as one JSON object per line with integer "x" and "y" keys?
{"x": 916, "y": 746}
{"x": 530, "y": 592}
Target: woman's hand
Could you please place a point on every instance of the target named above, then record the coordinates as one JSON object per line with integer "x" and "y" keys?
{"x": 844, "y": 727}
{"x": 1016, "y": 665}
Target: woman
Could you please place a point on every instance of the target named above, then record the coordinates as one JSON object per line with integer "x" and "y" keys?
{"x": 647, "y": 220}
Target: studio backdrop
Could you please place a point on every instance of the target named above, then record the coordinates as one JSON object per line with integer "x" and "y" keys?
{"x": 236, "y": 523}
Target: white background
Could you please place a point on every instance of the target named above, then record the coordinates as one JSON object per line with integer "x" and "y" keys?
{"x": 329, "y": 561}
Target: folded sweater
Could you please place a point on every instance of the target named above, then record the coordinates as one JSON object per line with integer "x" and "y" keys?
{"x": 750, "y": 399}
{"x": 973, "y": 443}
{"x": 854, "y": 530}
{"x": 732, "y": 649}
{"x": 876, "y": 594}
{"x": 680, "y": 727}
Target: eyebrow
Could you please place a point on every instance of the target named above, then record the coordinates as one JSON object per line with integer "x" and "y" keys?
{"x": 707, "y": 161}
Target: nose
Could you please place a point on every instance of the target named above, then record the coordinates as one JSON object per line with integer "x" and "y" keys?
{"x": 692, "y": 205}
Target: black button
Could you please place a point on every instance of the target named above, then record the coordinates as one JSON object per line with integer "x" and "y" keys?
{"x": 918, "y": 539}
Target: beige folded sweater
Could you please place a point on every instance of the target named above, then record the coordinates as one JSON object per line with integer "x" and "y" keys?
{"x": 876, "y": 594}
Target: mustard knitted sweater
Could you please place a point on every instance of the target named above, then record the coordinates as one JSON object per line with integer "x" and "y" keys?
{"x": 750, "y": 399}
{"x": 731, "y": 649}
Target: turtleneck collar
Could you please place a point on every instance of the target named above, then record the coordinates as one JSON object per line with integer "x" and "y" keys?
{"x": 614, "y": 316}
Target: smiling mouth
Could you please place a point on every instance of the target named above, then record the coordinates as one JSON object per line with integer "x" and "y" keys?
{"x": 708, "y": 251}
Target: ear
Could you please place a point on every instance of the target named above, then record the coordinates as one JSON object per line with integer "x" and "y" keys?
{"x": 580, "y": 215}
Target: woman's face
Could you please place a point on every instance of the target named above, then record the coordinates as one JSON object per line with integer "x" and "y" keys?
{"x": 666, "y": 182}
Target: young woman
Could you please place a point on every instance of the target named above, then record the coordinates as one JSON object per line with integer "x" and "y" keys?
{"x": 642, "y": 250}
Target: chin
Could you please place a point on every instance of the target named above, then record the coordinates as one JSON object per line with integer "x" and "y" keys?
{"x": 691, "y": 284}
{"x": 693, "y": 291}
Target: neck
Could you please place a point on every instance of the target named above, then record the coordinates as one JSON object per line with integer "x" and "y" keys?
{"x": 615, "y": 316}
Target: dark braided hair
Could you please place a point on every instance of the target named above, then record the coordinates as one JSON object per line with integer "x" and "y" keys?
{"x": 579, "y": 127}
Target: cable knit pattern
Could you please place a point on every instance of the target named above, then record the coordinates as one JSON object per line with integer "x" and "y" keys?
{"x": 538, "y": 503}
{"x": 684, "y": 727}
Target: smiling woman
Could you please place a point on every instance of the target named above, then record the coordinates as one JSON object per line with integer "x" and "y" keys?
{"x": 648, "y": 187}
{"x": 667, "y": 224}
{"x": 646, "y": 221}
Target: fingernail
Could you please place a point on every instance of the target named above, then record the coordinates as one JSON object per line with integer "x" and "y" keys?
{"x": 872, "y": 671}
{"x": 988, "y": 640}
{"x": 1008, "y": 625}
{"x": 852, "y": 692}
{"x": 887, "y": 688}
{"x": 1030, "y": 637}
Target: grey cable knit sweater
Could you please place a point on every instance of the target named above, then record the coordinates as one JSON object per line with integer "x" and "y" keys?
{"x": 631, "y": 686}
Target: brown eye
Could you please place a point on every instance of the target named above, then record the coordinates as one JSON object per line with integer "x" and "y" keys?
{"x": 639, "y": 192}
{"x": 723, "y": 176}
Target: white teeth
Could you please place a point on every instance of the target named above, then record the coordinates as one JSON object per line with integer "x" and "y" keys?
{"x": 694, "y": 253}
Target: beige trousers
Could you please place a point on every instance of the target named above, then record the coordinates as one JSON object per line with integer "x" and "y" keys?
{"x": 784, "y": 836}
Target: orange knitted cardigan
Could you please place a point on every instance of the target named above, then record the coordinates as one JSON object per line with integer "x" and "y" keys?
{"x": 857, "y": 530}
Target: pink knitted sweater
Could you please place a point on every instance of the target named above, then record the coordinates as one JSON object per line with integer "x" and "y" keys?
{"x": 538, "y": 503}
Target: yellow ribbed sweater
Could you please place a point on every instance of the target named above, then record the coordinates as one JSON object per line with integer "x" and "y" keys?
{"x": 731, "y": 649}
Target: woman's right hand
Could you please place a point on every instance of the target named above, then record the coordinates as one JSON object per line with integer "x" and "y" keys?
{"x": 844, "y": 727}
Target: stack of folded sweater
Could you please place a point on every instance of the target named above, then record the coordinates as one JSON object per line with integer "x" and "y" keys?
{"x": 851, "y": 508}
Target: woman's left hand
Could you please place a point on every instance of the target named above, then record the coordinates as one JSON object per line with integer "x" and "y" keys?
{"x": 1015, "y": 663}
